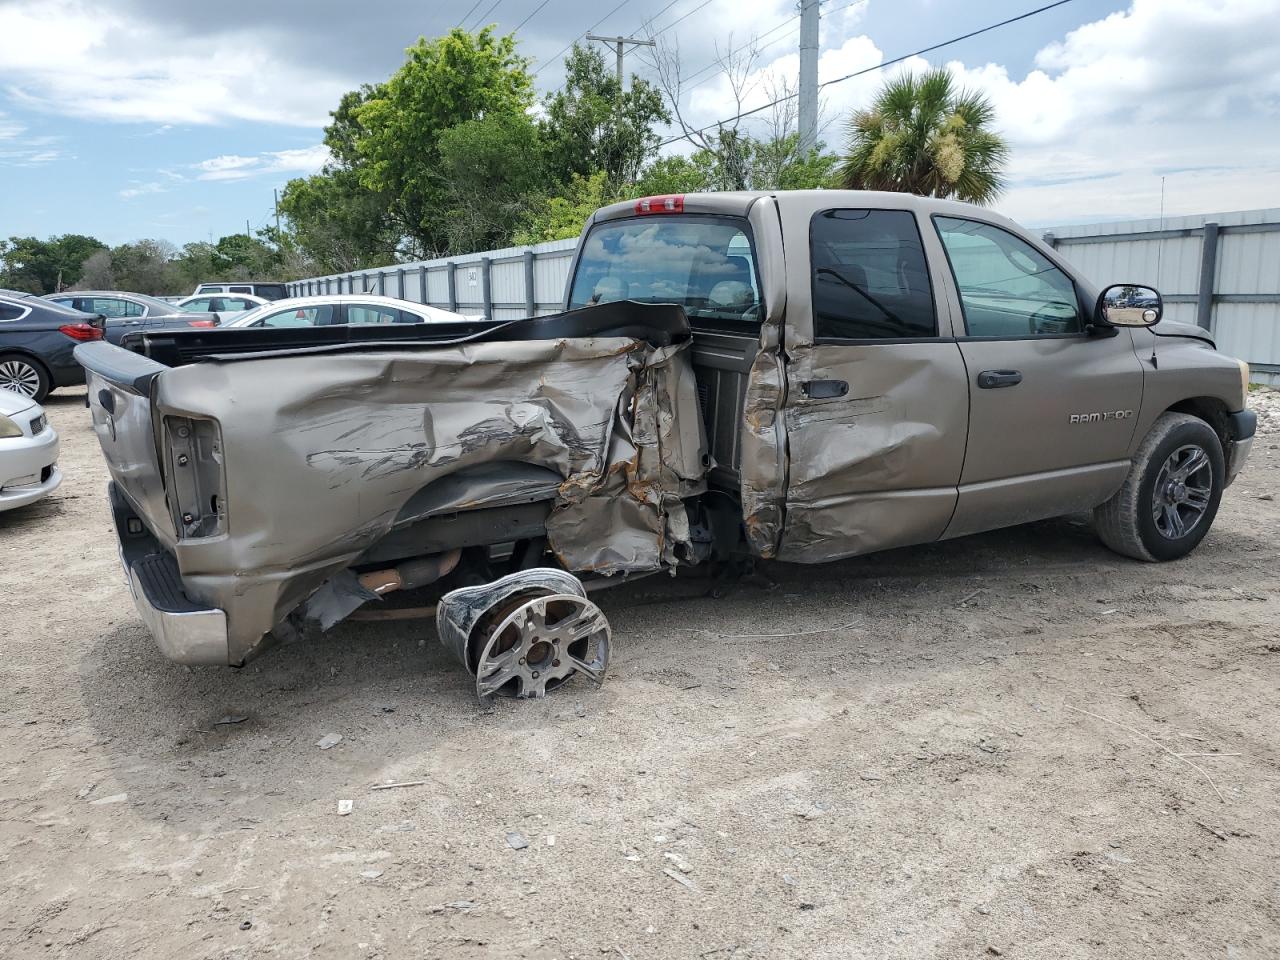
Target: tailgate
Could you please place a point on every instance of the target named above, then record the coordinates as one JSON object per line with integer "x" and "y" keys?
{"x": 120, "y": 384}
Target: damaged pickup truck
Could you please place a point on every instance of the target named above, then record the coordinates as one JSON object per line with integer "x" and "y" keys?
{"x": 802, "y": 376}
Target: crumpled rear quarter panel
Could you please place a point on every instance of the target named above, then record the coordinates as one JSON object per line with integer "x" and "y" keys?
{"x": 323, "y": 450}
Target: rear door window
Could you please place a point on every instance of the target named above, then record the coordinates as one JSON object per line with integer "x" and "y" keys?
{"x": 366, "y": 313}
{"x": 299, "y": 317}
{"x": 870, "y": 276}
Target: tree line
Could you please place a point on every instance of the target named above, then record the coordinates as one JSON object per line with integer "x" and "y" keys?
{"x": 455, "y": 153}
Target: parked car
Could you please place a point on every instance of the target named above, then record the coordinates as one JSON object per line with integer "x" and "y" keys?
{"x": 28, "y": 452}
{"x": 267, "y": 291}
{"x": 226, "y": 306}
{"x": 125, "y": 312}
{"x": 797, "y": 375}
{"x": 36, "y": 342}
{"x": 343, "y": 308}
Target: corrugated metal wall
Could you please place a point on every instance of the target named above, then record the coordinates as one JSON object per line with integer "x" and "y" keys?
{"x": 1239, "y": 299}
{"x": 494, "y": 283}
{"x": 1241, "y": 306}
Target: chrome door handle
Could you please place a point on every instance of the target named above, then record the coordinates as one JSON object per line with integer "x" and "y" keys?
{"x": 994, "y": 379}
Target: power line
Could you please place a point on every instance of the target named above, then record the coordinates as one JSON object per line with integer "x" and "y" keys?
{"x": 485, "y": 16}
{"x": 531, "y": 16}
{"x": 774, "y": 29}
{"x": 682, "y": 18}
{"x": 463, "y": 18}
{"x": 546, "y": 63}
{"x": 879, "y": 66}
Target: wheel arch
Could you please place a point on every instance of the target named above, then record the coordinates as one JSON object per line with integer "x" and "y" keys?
{"x": 1213, "y": 412}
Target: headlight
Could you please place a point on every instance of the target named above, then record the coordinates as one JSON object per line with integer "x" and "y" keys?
{"x": 8, "y": 428}
{"x": 1244, "y": 384}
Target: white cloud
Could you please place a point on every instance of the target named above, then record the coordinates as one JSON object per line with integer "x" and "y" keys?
{"x": 85, "y": 59}
{"x": 305, "y": 160}
{"x": 19, "y": 148}
{"x": 139, "y": 189}
{"x": 1186, "y": 89}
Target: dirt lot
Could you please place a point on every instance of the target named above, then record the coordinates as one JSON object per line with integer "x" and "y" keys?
{"x": 900, "y": 756}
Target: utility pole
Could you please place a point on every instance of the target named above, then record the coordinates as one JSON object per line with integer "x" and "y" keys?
{"x": 276, "y": 194}
{"x": 619, "y": 43}
{"x": 808, "y": 75}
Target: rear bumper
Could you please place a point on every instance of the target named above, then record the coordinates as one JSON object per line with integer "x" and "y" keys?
{"x": 28, "y": 469}
{"x": 184, "y": 630}
{"x": 1242, "y": 426}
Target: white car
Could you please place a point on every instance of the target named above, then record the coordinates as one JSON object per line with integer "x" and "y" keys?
{"x": 28, "y": 452}
{"x": 228, "y": 306}
{"x": 345, "y": 308}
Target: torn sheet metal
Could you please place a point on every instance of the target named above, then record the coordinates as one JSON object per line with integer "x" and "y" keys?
{"x": 322, "y": 451}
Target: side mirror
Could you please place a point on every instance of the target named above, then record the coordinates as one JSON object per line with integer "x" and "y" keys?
{"x": 1130, "y": 305}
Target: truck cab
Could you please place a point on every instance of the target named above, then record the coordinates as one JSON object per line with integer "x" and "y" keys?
{"x": 879, "y": 369}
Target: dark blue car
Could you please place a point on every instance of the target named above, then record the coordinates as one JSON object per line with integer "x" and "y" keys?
{"x": 36, "y": 340}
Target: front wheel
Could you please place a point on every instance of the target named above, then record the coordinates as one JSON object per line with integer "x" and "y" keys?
{"x": 1171, "y": 494}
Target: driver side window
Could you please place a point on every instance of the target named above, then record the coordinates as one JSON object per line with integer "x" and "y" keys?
{"x": 1008, "y": 288}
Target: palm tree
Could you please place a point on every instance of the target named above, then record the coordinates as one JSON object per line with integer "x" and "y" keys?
{"x": 923, "y": 136}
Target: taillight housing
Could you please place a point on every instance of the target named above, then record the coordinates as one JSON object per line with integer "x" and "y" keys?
{"x": 672, "y": 203}
{"x": 81, "y": 331}
{"x": 202, "y": 323}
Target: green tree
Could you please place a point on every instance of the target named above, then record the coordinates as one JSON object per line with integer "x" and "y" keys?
{"x": 593, "y": 124}
{"x": 491, "y": 176}
{"x": 923, "y": 136}
{"x": 146, "y": 266}
{"x": 338, "y": 222}
{"x": 562, "y": 216}
{"x": 45, "y": 266}
{"x": 444, "y": 82}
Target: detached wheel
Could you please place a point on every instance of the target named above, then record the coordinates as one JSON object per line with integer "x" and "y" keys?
{"x": 1171, "y": 495}
{"x": 21, "y": 374}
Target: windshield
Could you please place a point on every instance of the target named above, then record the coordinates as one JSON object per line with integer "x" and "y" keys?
{"x": 705, "y": 264}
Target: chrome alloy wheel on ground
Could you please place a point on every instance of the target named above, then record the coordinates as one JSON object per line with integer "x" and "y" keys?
{"x": 541, "y": 644}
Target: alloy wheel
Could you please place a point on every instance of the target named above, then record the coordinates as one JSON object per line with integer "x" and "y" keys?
{"x": 1182, "y": 492}
{"x": 19, "y": 377}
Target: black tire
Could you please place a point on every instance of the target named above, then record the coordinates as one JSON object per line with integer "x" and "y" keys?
{"x": 1128, "y": 523}
{"x": 25, "y": 375}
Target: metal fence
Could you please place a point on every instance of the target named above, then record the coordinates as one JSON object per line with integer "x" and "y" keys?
{"x": 502, "y": 284}
{"x": 1221, "y": 271}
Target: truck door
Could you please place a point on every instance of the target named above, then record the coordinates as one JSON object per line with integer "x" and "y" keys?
{"x": 876, "y": 406}
{"x": 1051, "y": 406}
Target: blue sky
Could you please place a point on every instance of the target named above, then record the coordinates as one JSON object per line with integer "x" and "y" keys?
{"x": 176, "y": 120}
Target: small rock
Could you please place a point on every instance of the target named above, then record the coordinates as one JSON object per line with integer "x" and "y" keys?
{"x": 679, "y": 862}
{"x": 516, "y": 841}
{"x": 806, "y": 905}
{"x": 344, "y": 807}
{"x": 870, "y": 775}
{"x": 659, "y": 839}
{"x": 1266, "y": 496}
{"x": 329, "y": 740}
{"x": 371, "y": 874}
{"x": 994, "y": 951}
{"x": 984, "y": 910}
{"x": 551, "y": 840}
{"x": 84, "y": 791}
{"x": 229, "y": 719}
{"x": 114, "y": 798}
{"x": 246, "y": 924}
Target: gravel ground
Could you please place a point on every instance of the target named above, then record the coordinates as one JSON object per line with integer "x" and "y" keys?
{"x": 1016, "y": 744}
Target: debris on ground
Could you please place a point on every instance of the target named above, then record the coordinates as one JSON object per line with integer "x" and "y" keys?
{"x": 344, "y": 807}
{"x": 329, "y": 740}
{"x": 516, "y": 841}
